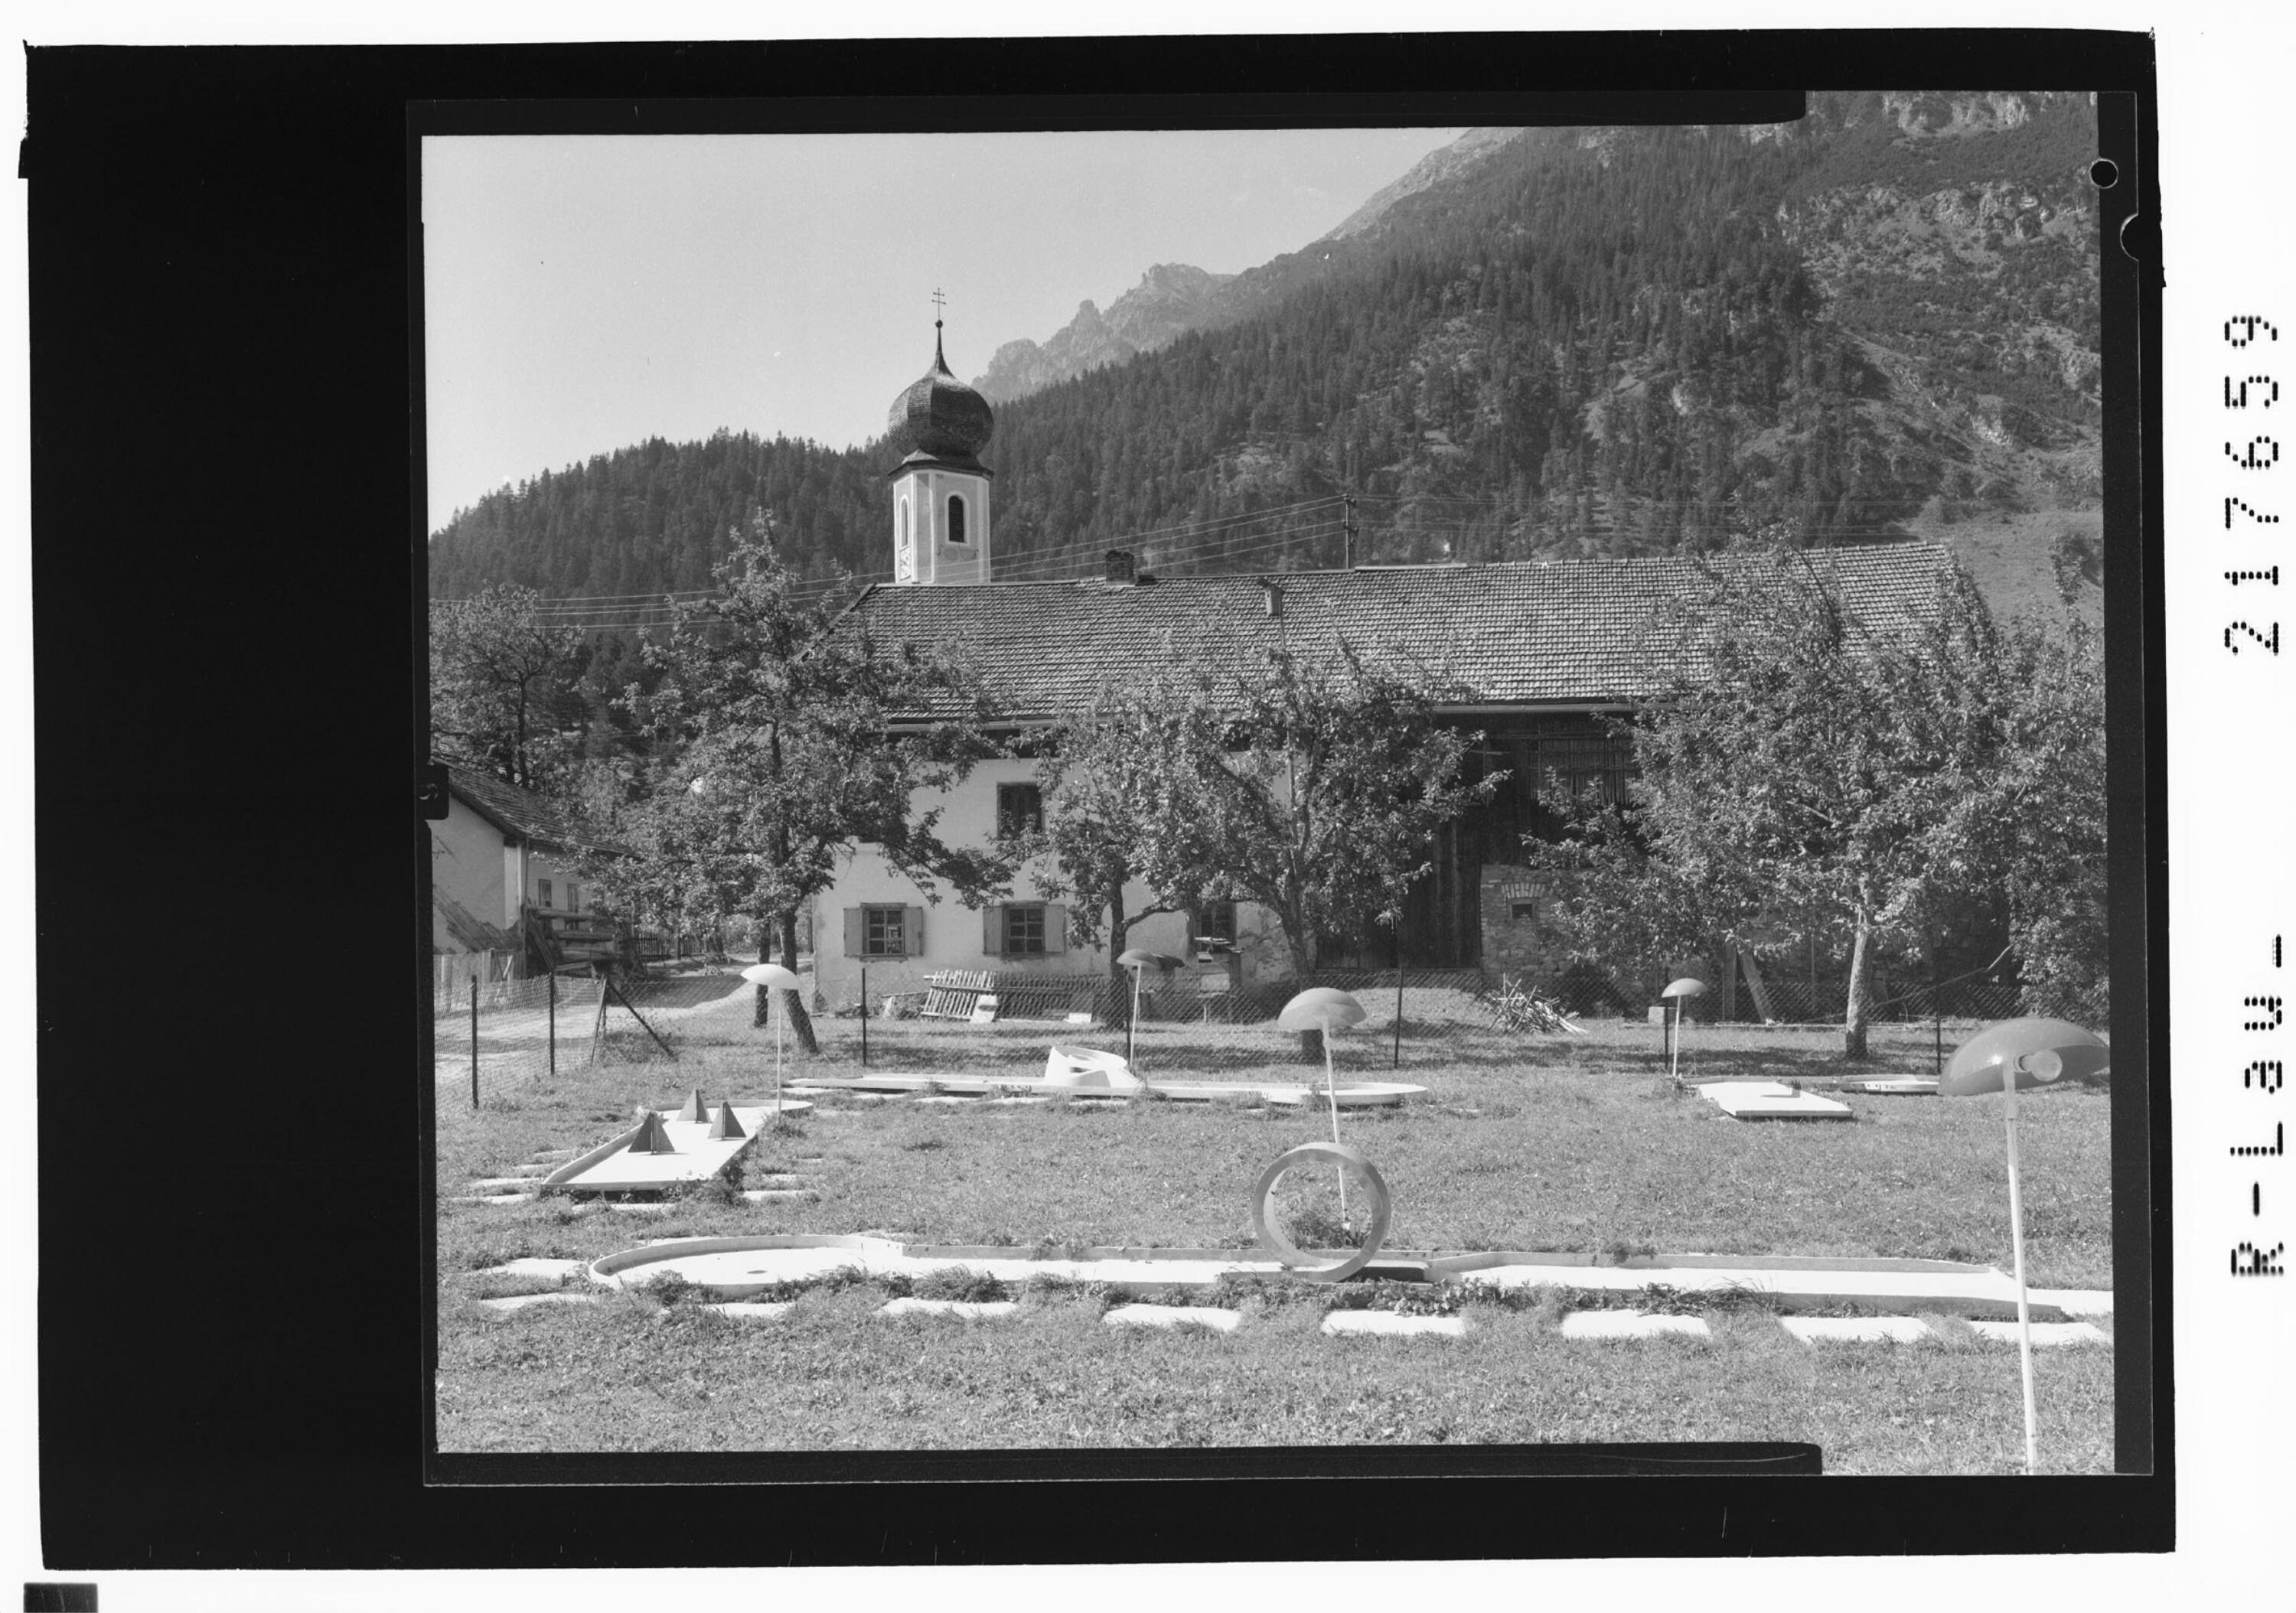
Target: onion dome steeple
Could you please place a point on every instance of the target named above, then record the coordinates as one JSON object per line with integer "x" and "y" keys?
{"x": 940, "y": 491}
{"x": 940, "y": 417}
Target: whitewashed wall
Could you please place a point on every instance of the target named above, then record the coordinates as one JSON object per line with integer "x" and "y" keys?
{"x": 954, "y": 934}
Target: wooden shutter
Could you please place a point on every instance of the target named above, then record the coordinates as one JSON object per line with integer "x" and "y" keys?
{"x": 992, "y": 931}
{"x": 913, "y": 931}
{"x": 1056, "y": 927}
{"x": 856, "y": 932}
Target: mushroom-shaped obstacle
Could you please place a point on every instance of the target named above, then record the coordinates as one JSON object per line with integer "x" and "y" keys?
{"x": 2003, "y": 1058}
{"x": 1136, "y": 959}
{"x": 775, "y": 978}
{"x": 1326, "y": 1009}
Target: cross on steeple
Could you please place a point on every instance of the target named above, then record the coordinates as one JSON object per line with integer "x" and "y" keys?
{"x": 939, "y": 301}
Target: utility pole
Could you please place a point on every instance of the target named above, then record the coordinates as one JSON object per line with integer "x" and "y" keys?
{"x": 1348, "y": 538}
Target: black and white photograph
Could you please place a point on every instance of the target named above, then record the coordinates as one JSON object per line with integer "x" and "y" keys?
{"x": 1227, "y": 806}
{"x": 1282, "y": 787}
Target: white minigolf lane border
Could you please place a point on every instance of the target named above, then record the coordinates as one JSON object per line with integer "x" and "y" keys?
{"x": 1589, "y": 1325}
{"x": 1630, "y": 1324}
{"x": 1391, "y": 1324}
{"x": 1856, "y": 1330}
{"x": 1216, "y": 1318}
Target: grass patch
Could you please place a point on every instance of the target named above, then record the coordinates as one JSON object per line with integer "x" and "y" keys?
{"x": 951, "y": 1282}
{"x": 566, "y": 1378}
{"x": 1553, "y": 1147}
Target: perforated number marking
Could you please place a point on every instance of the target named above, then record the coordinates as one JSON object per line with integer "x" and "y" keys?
{"x": 2273, "y": 1148}
{"x": 2259, "y": 391}
{"x": 2261, "y": 1263}
{"x": 2251, "y": 1259}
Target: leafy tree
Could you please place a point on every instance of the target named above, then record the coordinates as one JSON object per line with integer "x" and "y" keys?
{"x": 1311, "y": 787}
{"x": 501, "y": 682}
{"x": 785, "y": 757}
{"x": 680, "y": 873}
{"x": 1809, "y": 770}
{"x": 1092, "y": 824}
{"x": 2041, "y": 815}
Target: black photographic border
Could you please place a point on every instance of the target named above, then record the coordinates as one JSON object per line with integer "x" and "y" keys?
{"x": 225, "y": 376}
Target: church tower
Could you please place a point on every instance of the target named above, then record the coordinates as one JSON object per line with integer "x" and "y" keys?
{"x": 940, "y": 491}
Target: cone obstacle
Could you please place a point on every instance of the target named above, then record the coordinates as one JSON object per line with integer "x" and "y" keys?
{"x": 725, "y": 1125}
{"x": 651, "y": 1138}
{"x": 694, "y": 1108}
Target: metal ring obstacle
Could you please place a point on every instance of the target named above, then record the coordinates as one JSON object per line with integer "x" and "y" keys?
{"x": 1346, "y": 1155}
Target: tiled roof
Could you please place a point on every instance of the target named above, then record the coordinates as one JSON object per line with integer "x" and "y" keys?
{"x": 521, "y": 812}
{"x": 1602, "y": 631}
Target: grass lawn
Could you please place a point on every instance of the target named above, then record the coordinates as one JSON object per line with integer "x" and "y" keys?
{"x": 1569, "y": 1146}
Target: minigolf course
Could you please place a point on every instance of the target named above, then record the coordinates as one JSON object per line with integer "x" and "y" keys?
{"x": 1770, "y": 1101}
{"x": 738, "y": 1268}
{"x": 1088, "y": 1072}
{"x": 669, "y": 1148}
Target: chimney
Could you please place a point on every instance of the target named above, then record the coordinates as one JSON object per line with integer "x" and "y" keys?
{"x": 1271, "y": 596}
{"x": 1122, "y": 568}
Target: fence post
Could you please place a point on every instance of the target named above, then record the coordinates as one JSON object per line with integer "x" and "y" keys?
{"x": 554, "y": 1024}
{"x": 1398, "y": 1063}
{"x": 864, "y": 1015}
{"x": 474, "y": 1040}
{"x": 1937, "y": 1014}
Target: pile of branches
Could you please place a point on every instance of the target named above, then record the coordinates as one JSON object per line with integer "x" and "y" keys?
{"x": 1519, "y": 1008}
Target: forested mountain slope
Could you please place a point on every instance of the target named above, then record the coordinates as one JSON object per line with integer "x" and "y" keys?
{"x": 1880, "y": 321}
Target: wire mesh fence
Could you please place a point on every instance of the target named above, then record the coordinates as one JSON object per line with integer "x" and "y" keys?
{"x": 929, "y": 1021}
{"x": 452, "y": 973}
{"x": 902, "y": 1019}
{"x": 514, "y": 1030}
{"x": 1893, "y": 996}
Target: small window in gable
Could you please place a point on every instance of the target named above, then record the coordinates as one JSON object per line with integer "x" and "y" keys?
{"x": 1020, "y": 810}
{"x": 955, "y": 519}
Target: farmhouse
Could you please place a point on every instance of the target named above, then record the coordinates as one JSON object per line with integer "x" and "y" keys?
{"x": 501, "y": 874}
{"x": 1535, "y": 656}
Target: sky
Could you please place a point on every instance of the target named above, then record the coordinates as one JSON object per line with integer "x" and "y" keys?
{"x": 582, "y": 293}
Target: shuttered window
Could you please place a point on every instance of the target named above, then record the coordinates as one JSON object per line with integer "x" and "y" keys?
{"x": 1024, "y": 929}
{"x": 884, "y": 929}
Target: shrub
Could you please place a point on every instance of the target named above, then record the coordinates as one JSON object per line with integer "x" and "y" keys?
{"x": 962, "y": 1283}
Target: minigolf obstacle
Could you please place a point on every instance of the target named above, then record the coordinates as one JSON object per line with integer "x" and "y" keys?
{"x": 650, "y": 1137}
{"x": 1266, "y": 1226}
{"x": 662, "y": 1151}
